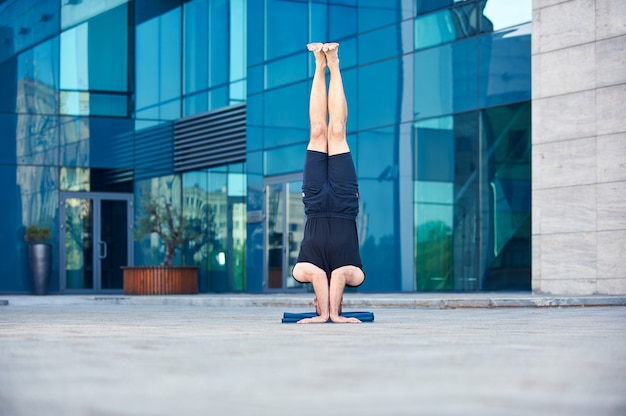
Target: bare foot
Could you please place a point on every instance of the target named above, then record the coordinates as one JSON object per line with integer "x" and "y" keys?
{"x": 315, "y": 320}
{"x": 343, "y": 320}
{"x": 318, "y": 50}
{"x": 331, "y": 50}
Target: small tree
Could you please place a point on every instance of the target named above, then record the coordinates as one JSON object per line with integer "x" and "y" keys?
{"x": 160, "y": 217}
{"x": 37, "y": 235}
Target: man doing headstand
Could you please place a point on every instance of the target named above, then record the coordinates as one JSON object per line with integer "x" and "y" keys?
{"x": 329, "y": 256}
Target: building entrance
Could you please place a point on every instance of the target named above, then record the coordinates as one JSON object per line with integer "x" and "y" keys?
{"x": 284, "y": 229}
{"x": 96, "y": 239}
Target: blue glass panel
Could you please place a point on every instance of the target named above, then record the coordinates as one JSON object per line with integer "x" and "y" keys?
{"x": 445, "y": 26}
{"x": 379, "y": 236}
{"x": 196, "y": 103}
{"x": 111, "y": 142}
{"x": 446, "y": 203}
{"x": 170, "y": 110}
{"x": 286, "y": 71}
{"x": 380, "y": 86}
{"x": 377, "y": 13}
{"x": 195, "y": 39}
{"x": 342, "y": 20}
{"x": 445, "y": 79}
{"x": 8, "y": 139}
{"x": 24, "y": 25}
{"x": 108, "y": 105}
{"x": 37, "y": 83}
{"x": 219, "y": 97}
{"x": 286, "y": 27}
{"x": 14, "y": 274}
{"x": 74, "y": 141}
{"x": 377, "y": 153}
{"x": 254, "y": 164}
{"x": 286, "y": 115}
{"x": 158, "y": 60}
{"x": 8, "y": 85}
{"x": 318, "y": 22}
{"x": 219, "y": 50}
{"x": 256, "y": 33}
{"x": 287, "y": 159}
{"x": 506, "y": 185}
{"x": 74, "y": 12}
{"x": 499, "y": 14}
{"x": 379, "y": 44}
{"x": 238, "y": 47}
{"x": 237, "y": 92}
{"x": 425, "y": 6}
{"x": 505, "y": 67}
{"x": 256, "y": 80}
{"x": 108, "y": 50}
{"x": 170, "y": 55}
{"x": 37, "y": 139}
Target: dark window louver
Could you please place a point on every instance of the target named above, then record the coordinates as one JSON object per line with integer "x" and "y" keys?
{"x": 210, "y": 139}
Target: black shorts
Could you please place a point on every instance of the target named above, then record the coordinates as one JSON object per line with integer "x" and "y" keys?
{"x": 330, "y": 243}
{"x": 331, "y": 203}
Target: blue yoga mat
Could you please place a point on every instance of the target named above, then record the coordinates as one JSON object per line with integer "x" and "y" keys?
{"x": 292, "y": 318}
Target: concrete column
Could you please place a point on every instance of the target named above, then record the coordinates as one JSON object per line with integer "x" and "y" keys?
{"x": 579, "y": 146}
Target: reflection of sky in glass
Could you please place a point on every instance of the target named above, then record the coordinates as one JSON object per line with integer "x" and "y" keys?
{"x": 506, "y": 13}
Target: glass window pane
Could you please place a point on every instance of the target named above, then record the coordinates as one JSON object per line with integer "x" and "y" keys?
{"x": 74, "y": 12}
{"x": 387, "y": 36}
{"x": 195, "y": 60}
{"x": 286, "y": 23}
{"x": 111, "y": 142}
{"x": 425, "y": 6}
{"x": 286, "y": 71}
{"x": 499, "y": 14}
{"x": 505, "y": 67}
{"x": 377, "y": 155}
{"x": 37, "y": 139}
{"x": 342, "y": 19}
{"x": 445, "y": 79}
{"x": 446, "y": 203}
{"x": 286, "y": 115}
{"x": 287, "y": 159}
{"x": 37, "y": 82}
{"x": 445, "y": 26}
{"x": 378, "y": 96}
{"x": 158, "y": 59}
{"x": 8, "y": 142}
{"x": 24, "y": 25}
{"x": 377, "y": 13}
{"x": 507, "y": 208}
{"x": 93, "y": 57}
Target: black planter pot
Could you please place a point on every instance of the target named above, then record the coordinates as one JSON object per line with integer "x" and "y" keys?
{"x": 40, "y": 266}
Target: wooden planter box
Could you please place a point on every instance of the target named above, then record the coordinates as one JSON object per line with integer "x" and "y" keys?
{"x": 150, "y": 280}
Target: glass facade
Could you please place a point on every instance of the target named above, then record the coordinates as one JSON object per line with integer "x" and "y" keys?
{"x": 439, "y": 126}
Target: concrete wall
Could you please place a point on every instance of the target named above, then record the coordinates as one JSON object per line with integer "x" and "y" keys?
{"x": 579, "y": 146}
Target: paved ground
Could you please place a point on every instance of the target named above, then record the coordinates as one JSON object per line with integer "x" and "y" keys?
{"x": 145, "y": 356}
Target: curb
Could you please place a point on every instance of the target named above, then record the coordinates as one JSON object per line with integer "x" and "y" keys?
{"x": 378, "y": 302}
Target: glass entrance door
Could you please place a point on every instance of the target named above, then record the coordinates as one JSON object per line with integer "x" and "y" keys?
{"x": 284, "y": 229}
{"x": 96, "y": 241}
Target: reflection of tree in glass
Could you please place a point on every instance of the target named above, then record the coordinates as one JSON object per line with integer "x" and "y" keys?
{"x": 434, "y": 256}
{"x": 160, "y": 217}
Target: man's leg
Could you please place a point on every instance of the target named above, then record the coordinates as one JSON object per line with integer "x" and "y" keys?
{"x": 337, "y": 104}
{"x": 346, "y": 275}
{"x": 318, "y": 101}
{"x": 318, "y": 115}
{"x": 310, "y": 273}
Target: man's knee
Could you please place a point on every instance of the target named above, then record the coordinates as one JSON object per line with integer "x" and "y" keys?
{"x": 351, "y": 275}
{"x": 337, "y": 131}
{"x": 307, "y": 273}
{"x": 319, "y": 131}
